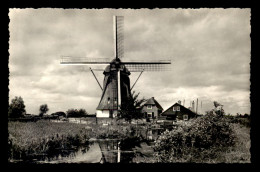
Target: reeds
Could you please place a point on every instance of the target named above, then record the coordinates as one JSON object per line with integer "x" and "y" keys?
{"x": 44, "y": 139}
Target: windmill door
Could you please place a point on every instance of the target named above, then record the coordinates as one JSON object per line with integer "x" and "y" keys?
{"x": 110, "y": 113}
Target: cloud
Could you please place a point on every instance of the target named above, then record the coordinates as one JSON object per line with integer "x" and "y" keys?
{"x": 209, "y": 49}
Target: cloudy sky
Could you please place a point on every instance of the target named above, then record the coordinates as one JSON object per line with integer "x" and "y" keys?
{"x": 209, "y": 49}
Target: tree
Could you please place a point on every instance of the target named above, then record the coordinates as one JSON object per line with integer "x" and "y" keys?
{"x": 59, "y": 114}
{"x": 74, "y": 113}
{"x": 246, "y": 115}
{"x": 17, "y": 108}
{"x": 43, "y": 109}
{"x": 131, "y": 109}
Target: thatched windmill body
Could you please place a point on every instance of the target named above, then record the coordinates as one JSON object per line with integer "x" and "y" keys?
{"x": 116, "y": 85}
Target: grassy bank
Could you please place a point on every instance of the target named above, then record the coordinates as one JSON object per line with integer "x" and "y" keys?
{"x": 32, "y": 139}
{"x": 175, "y": 146}
{"x": 240, "y": 153}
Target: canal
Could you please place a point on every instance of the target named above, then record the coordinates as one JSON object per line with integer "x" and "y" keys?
{"x": 100, "y": 151}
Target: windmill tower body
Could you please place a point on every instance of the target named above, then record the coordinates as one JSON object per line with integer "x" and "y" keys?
{"x": 113, "y": 87}
{"x": 116, "y": 84}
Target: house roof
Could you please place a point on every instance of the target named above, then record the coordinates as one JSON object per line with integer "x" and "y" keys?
{"x": 167, "y": 112}
{"x": 152, "y": 101}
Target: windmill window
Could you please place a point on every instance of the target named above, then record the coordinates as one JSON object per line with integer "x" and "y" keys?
{"x": 149, "y": 106}
{"x": 108, "y": 100}
{"x": 185, "y": 117}
{"x": 115, "y": 101}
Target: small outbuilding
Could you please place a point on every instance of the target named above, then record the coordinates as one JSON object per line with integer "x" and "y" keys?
{"x": 177, "y": 112}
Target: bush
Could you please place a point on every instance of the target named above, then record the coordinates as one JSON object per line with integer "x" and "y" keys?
{"x": 243, "y": 121}
{"x": 200, "y": 141}
{"x": 75, "y": 113}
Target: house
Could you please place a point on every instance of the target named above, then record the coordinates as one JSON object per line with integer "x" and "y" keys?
{"x": 177, "y": 112}
{"x": 151, "y": 108}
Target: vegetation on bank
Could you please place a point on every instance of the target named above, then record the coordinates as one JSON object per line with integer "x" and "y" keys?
{"x": 209, "y": 139}
{"x": 31, "y": 139}
{"x": 206, "y": 139}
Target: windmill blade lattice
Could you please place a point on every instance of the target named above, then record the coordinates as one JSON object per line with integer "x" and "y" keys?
{"x": 119, "y": 36}
{"x": 138, "y": 66}
{"x": 67, "y": 60}
{"x": 148, "y": 67}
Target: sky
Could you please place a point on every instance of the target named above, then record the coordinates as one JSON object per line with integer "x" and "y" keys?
{"x": 209, "y": 50}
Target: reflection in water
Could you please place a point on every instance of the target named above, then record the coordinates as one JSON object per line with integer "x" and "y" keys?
{"x": 98, "y": 151}
{"x": 90, "y": 154}
{"x": 109, "y": 150}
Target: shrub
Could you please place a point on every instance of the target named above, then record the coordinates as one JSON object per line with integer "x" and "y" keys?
{"x": 243, "y": 121}
{"x": 74, "y": 113}
{"x": 200, "y": 141}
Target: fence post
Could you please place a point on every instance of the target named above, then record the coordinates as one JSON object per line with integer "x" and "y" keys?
{"x": 118, "y": 152}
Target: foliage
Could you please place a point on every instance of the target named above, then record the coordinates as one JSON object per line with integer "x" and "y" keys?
{"x": 43, "y": 137}
{"x": 59, "y": 114}
{"x": 200, "y": 141}
{"x": 216, "y": 104}
{"x": 129, "y": 142}
{"x": 240, "y": 153}
{"x": 51, "y": 139}
{"x": 217, "y": 111}
{"x": 131, "y": 109}
{"x": 16, "y": 108}
{"x": 43, "y": 109}
{"x": 244, "y": 121}
{"x": 75, "y": 113}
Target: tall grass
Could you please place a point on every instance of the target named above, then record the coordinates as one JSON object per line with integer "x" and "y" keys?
{"x": 36, "y": 140}
{"x": 240, "y": 153}
{"x": 32, "y": 139}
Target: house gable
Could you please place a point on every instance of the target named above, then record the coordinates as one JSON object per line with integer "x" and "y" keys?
{"x": 152, "y": 108}
{"x": 177, "y": 111}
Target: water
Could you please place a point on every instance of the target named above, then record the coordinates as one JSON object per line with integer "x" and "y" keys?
{"x": 91, "y": 154}
{"x": 98, "y": 151}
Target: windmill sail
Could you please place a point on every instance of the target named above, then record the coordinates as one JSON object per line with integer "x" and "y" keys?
{"x": 67, "y": 60}
{"x": 138, "y": 66}
{"x": 119, "y": 36}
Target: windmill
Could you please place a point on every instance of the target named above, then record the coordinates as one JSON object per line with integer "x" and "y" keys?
{"x": 116, "y": 84}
